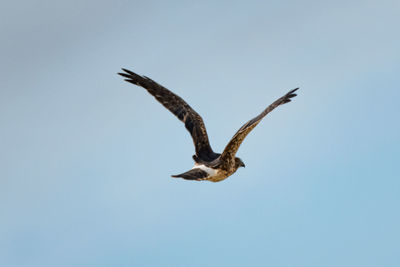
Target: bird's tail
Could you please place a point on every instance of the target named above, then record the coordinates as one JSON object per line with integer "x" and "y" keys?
{"x": 194, "y": 174}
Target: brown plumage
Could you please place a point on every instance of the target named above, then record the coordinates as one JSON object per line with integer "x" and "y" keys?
{"x": 209, "y": 165}
{"x": 193, "y": 122}
{"x": 228, "y": 155}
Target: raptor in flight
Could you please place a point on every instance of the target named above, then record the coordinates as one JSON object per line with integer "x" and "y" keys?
{"x": 208, "y": 165}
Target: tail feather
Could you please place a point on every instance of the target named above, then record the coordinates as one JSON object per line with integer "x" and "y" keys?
{"x": 194, "y": 174}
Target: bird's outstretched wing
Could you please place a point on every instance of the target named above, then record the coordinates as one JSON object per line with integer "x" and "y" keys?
{"x": 230, "y": 150}
{"x": 193, "y": 121}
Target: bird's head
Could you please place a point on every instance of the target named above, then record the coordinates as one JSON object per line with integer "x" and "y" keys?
{"x": 239, "y": 163}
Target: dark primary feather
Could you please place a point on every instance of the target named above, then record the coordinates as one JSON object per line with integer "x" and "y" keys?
{"x": 228, "y": 156}
{"x": 193, "y": 121}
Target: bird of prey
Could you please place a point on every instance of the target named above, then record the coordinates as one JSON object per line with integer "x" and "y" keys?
{"x": 209, "y": 165}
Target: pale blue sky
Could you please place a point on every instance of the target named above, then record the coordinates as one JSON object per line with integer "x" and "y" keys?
{"x": 86, "y": 158}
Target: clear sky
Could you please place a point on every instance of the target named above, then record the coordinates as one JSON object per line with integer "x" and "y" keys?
{"x": 86, "y": 158}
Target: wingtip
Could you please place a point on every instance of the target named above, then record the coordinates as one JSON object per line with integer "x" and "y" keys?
{"x": 291, "y": 93}
{"x": 125, "y": 75}
{"x": 287, "y": 98}
{"x": 126, "y": 70}
{"x": 129, "y": 81}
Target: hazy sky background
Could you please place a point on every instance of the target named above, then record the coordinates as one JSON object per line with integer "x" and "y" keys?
{"x": 86, "y": 159}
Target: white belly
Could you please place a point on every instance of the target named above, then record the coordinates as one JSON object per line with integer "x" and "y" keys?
{"x": 210, "y": 171}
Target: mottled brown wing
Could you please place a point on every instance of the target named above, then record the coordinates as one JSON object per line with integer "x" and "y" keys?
{"x": 230, "y": 150}
{"x": 193, "y": 122}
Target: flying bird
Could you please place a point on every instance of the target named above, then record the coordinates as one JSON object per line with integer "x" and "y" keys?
{"x": 209, "y": 165}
